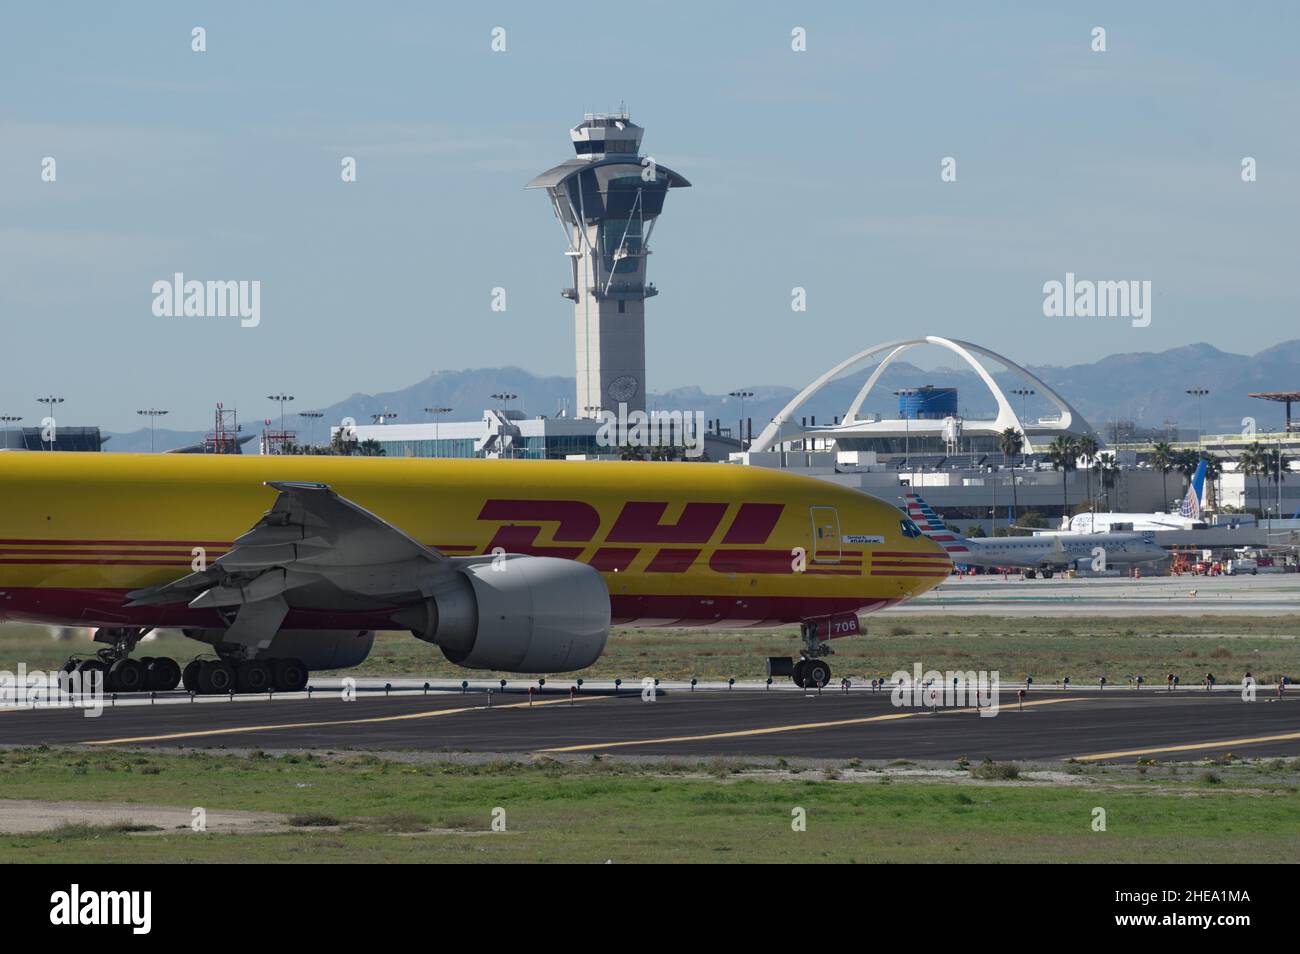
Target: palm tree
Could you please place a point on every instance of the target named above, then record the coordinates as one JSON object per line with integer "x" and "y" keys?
{"x": 1088, "y": 451}
{"x": 1162, "y": 459}
{"x": 1253, "y": 459}
{"x": 1276, "y": 464}
{"x": 1063, "y": 452}
{"x": 343, "y": 442}
{"x": 1108, "y": 472}
{"x": 1010, "y": 443}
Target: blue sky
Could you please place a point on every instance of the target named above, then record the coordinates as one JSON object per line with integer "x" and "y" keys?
{"x": 817, "y": 169}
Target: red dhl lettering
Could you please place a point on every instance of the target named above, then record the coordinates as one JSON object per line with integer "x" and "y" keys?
{"x": 639, "y": 521}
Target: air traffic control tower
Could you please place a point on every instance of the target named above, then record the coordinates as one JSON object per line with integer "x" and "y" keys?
{"x": 608, "y": 199}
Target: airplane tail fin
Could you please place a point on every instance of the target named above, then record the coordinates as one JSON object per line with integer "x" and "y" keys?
{"x": 923, "y": 515}
{"x": 1191, "y": 506}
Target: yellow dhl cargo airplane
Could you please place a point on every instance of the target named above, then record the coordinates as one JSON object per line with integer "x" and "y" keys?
{"x": 287, "y": 564}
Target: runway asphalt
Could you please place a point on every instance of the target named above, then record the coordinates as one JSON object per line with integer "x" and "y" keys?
{"x": 1269, "y": 594}
{"x": 1110, "y": 725}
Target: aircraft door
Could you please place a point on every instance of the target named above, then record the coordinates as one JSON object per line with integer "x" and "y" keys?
{"x": 826, "y": 534}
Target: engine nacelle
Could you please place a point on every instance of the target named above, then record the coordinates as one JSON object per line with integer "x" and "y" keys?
{"x": 317, "y": 648}
{"x": 518, "y": 614}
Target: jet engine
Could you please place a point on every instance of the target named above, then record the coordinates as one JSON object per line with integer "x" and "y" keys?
{"x": 517, "y": 614}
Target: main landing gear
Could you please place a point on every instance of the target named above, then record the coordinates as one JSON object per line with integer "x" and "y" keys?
{"x": 121, "y": 673}
{"x": 812, "y": 671}
{"x": 221, "y": 676}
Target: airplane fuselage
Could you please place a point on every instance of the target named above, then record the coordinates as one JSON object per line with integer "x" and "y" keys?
{"x": 1093, "y": 523}
{"x": 689, "y": 543}
{"x": 1061, "y": 550}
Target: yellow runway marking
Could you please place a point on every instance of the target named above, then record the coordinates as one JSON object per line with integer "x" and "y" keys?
{"x": 773, "y": 730}
{"x": 427, "y": 714}
{"x": 1188, "y": 747}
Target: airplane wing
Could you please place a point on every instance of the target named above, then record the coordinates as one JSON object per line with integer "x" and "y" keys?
{"x": 310, "y": 535}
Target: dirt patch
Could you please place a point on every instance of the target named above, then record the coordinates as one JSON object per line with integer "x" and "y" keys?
{"x": 26, "y": 816}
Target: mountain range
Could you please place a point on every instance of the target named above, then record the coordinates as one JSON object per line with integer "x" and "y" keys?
{"x": 1147, "y": 388}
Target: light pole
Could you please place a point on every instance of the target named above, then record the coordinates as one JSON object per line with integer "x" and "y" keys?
{"x": 153, "y": 414}
{"x": 50, "y": 401}
{"x": 7, "y": 419}
{"x": 283, "y": 399}
{"x": 384, "y": 416}
{"x": 437, "y": 413}
{"x": 1278, "y": 461}
{"x": 740, "y": 423}
{"x": 994, "y": 531}
{"x": 312, "y": 417}
{"x": 907, "y": 428}
{"x": 1198, "y": 393}
{"x": 1024, "y": 394}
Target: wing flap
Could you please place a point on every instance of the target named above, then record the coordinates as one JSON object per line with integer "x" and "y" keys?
{"x": 310, "y": 534}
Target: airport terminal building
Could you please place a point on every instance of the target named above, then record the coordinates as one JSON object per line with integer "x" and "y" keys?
{"x": 497, "y": 434}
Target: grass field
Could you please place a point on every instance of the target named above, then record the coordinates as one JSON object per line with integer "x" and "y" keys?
{"x": 1082, "y": 648}
{"x": 367, "y": 808}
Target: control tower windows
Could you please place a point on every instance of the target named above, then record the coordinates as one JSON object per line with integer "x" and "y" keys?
{"x": 622, "y": 234}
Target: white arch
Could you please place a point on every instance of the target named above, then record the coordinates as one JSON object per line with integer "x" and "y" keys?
{"x": 1006, "y": 417}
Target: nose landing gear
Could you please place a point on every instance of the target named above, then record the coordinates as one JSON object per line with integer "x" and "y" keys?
{"x": 811, "y": 670}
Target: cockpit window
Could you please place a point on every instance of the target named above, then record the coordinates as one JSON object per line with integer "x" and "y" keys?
{"x": 909, "y": 528}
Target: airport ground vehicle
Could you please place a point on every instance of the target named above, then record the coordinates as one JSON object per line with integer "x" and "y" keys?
{"x": 1241, "y": 565}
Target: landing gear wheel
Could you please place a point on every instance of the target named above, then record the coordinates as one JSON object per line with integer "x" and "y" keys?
{"x": 253, "y": 676}
{"x": 190, "y": 676}
{"x": 126, "y": 675}
{"x": 289, "y": 675}
{"x": 796, "y": 673}
{"x": 162, "y": 674}
{"x": 817, "y": 672}
{"x": 1047, "y": 574}
{"x": 93, "y": 674}
{"x": 66, "y": 675}
{"x": 215, "y": 677}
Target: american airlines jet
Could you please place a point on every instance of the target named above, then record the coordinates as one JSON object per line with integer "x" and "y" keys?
{"x": 1045, "y": 554}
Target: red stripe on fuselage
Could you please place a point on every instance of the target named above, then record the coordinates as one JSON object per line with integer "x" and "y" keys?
{"x": 57, "y": 542}
{"x": 909, "y": 573}
{"x": 105, "y": 607}
{"x": 910, "y": 555}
